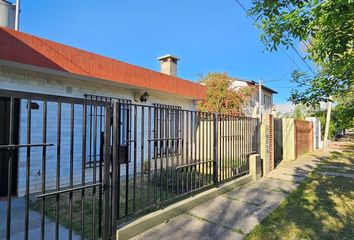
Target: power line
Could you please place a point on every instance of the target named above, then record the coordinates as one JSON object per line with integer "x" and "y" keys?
{"x": 297, "y": 52}
{"x": 282, "y": 78}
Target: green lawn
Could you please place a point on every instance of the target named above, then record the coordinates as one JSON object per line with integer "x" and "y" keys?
{"x": 321, "y": 208}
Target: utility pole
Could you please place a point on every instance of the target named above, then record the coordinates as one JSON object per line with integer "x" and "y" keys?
{"x": 260, "y": 98}
{"x": 328, "y": 120}
{"x": 17, "y": 15}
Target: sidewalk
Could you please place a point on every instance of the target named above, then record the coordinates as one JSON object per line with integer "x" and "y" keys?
{"x": 234, "y": 214}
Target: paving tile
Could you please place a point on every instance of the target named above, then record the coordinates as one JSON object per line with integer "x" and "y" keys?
{"x": 285, "y": 176}
{"x": 231, "y": 213}
{"x": 188, "y": 227}
{"x": 275, "y": 184}
{"x": 259, "y": 196}
{"x": 298, "y": 171}
{"x": 306, "y": 169}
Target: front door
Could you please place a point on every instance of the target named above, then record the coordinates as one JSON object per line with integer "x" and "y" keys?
{"x": 4, "y": 140}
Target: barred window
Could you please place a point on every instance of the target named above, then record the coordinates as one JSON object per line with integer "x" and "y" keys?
{"x": 167, "y": 125}
{"x": 95, "y": 120}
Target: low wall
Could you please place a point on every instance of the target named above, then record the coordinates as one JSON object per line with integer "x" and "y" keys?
{"x": 303, "y": 137}
{"x": 288, "y": 139}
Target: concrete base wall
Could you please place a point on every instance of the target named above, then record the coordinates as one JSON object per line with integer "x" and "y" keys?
{"x": 151, "y": 220}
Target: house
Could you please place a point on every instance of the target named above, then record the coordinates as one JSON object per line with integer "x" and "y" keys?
{"x": 266, "y": 97}
{"x": 35, "y": 65}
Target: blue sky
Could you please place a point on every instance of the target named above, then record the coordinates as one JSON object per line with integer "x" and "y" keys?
{"x": 207, "y": 35}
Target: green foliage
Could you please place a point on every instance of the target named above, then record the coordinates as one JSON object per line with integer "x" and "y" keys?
{"x": 342, "y": 116}
{"x": 222, "y": 97}
{"x": 326, "y": 28}
{"x": 343, "y": 113}
{"x": 299, "y": 112}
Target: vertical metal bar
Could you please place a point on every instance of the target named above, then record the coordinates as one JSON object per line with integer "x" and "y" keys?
{"x": 203, "y": 139}
{"x": 156, "y": 117}
{"x": 222, "y": 145}
{"x": 243, "y": 144}
{"x": 178, "y": 147}
{"x": 210, "y": 165}
{"x": 173, "y": 148}
{"x": 9, "y": 174}
{"x": 215, "y": 147}
{"x": 161, "y": 143}
{"x": 83, "y": 166}
{"x": 100, "y": 168}
{"x": 106, "y": 177}
{"x": 195, "y": 139}
{"x": 149, "y": 157}
{"x": 127, "y": 108}
{"x": 142, "y": 140}
{"x": 94, "y": 169}
{"x": 227, "y": 130}
{"x": 58, "y": 171}
{"x": 238, "y": 144}
{"x": 233, "y": 145}
{"x": 44, "y": 159}
{"x": 135, "y": 156}
{"x": 192, "y": 168}
{"x": 119, "y": 142}
{"x": 71, "y": 167}
{"x": 182, "y": 150}
{"x": 90, "y": 134}
{"x": 115, "y": 186}
{"x": 229, "y": 146}
{"x": 166, "y": 135}
{"x": 199, "y": 143}
{"x": 28, "y": 167}
{"x": 231, "y": 137}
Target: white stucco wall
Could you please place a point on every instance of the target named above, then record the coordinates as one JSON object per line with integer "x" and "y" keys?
{"x": 252, "y": 108}
{"x": 29, "y": 81}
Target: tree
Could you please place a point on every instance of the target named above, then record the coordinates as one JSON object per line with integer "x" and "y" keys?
{"x": 343, "y": 112}
{"x": 343, "y": 115}
{"x": 326, "y": 29}
{"x": 222, "y": 97}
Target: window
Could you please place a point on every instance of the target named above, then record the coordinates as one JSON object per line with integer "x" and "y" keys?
{"x": 95, "y": 121}
{"x": 267, "y": 101}
{"x": 167, "y": 125}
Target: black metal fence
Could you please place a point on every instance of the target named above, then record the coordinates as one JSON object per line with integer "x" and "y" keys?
{"x": 85, "y": 165}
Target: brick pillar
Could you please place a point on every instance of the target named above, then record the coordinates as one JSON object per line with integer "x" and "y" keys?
{"x": 271, "y": 142}
{"x": 267, "y": 142}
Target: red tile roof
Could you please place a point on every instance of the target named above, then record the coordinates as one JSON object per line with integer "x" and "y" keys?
{"x": 28, "y": 49}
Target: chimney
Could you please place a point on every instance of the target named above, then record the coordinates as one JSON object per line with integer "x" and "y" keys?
{"x": 168, "y": 64}
{"x": 7, "y": 14}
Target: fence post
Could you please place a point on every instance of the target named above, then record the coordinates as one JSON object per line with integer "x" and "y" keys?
{"x": 115, "y": 185}
{"x": 106, "y": 175}
{"x": 215, "y": 147}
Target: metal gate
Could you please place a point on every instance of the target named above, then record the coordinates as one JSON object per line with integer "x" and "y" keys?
{"x": 58, "y": 195}
{"x": 278, "y": 141}
{"x": 85, "y": 165}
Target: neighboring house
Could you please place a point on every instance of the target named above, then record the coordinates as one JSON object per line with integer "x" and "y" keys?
{"x": 32, "y": 64}
{"x": 266, "y": 97}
